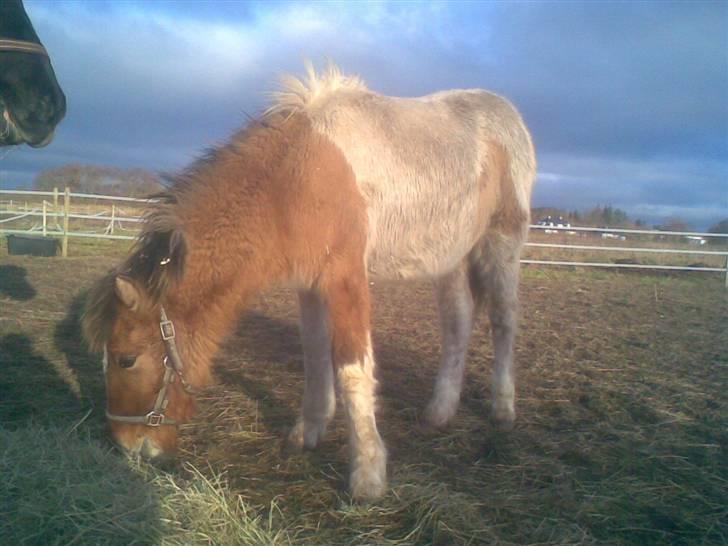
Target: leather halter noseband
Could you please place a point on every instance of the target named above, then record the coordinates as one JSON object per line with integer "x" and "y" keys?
{"x": 22, "y": 46}
{"x": 173, "y": 368}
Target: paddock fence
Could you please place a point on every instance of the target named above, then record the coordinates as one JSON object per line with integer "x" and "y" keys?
{"x": 67, "y": 215}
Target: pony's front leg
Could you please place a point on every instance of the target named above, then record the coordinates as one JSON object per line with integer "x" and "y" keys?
{"x": 348, "y": 300}
{"x": 319, "y": 398}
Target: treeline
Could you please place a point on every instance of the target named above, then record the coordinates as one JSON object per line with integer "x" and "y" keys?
{"x": 99, "y": 179}
{"x": 607, "y": 216}
{"x": 613, "y": 217}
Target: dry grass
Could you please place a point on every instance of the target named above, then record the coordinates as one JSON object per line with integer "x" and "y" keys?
{"x": 62, "y": 488}
{"x": 621, "y": 437}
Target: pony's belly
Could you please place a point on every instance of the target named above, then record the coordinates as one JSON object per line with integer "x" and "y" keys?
{"x": 416, "y": 257}
{"x": 423, "y": 238}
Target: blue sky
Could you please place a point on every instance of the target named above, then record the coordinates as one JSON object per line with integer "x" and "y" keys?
{"x": 627, "y": 101}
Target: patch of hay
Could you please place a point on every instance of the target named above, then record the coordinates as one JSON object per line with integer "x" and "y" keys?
{"x": 60, "y": 488}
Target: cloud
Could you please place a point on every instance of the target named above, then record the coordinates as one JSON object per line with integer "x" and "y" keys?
{"x": 625, "y": 100}
{"x": 648, "y": 189}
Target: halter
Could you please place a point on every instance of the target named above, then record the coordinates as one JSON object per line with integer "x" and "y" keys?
{"x": 156, "y": 416}
{"x": 22, "y": 46}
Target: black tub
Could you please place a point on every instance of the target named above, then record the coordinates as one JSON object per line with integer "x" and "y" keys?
{"x": 32, "y": 245}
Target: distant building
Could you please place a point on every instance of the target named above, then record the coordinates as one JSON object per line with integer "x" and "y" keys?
{"x": 555, "y": 222}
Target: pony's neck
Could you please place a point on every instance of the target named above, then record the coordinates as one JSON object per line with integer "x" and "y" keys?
{"x": 232, "y": 238}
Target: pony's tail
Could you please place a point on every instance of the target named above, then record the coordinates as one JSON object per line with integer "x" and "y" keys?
{"x": 494, "y": 268}
{"x": 478, "y": 275}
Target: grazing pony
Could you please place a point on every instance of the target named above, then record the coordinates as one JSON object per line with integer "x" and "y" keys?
{"x": 31, "y": 101}
{"x": 334, "y": 186}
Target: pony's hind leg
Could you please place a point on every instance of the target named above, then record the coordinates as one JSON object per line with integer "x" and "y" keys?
{"x": 496, "y": 271}
{"x": 319, "y": 398}
{"x": 455, "y": 306}
{"x": 347, "y": 296}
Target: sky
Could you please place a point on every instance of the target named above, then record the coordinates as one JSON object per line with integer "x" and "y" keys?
{"x": 627, "y": 101}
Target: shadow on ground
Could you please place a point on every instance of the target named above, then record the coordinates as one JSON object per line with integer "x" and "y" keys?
{"x": 86, "y": 366}
{"x": 31, "y": 389}
{"x": 274, "y": 345}
{"x": 62, "y": 482}
{"x": 14, "y": 284}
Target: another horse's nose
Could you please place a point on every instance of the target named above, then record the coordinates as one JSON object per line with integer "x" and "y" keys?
{"x": 44, "y": 142}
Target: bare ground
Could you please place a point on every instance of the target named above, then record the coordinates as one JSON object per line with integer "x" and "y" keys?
{"x": 622, "y": 430}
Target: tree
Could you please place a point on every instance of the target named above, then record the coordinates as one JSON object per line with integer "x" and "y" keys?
{"x": 720, "y": 227}
{"x": 606, "y": 216}
{"x": 99, "y": 179}
{"x": 675, "y": 223}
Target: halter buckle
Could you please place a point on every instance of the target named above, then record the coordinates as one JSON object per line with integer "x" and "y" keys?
{"x": 154, "y": 419}
{"x": 167, "y": 329}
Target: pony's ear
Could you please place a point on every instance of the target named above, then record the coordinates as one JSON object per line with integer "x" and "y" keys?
{"x": 129, "y": 293}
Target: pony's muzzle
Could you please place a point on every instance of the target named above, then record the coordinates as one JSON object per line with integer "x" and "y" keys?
{"x": 146, "y": 448}
{"x": 150, "y": 451}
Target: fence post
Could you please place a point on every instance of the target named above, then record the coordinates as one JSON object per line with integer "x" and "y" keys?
{"x": 55, "y": 199}
{"x": 45, "y": 218}
{"x": 113, "y": 216}
{"x": 66, "y": 212}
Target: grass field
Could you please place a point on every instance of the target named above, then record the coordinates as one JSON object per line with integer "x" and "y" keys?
{"x": 621, "y": 437}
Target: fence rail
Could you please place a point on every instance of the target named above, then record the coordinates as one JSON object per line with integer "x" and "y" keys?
{"x": 114, "y": 219}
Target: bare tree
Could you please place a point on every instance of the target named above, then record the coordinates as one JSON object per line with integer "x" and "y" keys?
{"x": 99, "y": 179}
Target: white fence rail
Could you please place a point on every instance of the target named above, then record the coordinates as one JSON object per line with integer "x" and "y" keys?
{"x": 633, "y": 249}
{"x": 117, "y": 224}
{"x": 52, "y": 218}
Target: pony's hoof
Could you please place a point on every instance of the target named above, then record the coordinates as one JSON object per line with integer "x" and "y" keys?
{"x": 504, "y": 416}
{"x": 295, "y": 438}
{"x": 368, "y": 485}
{"x": 432, "y": 423}
{"x": 305, "y": 435}
{"x": 437, "y": 416}
{"x": 368, "y": 479}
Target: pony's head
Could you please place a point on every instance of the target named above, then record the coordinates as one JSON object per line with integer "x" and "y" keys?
{"x": 146, "y": 390}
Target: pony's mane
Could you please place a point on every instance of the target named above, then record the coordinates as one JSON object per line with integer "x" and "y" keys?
{"x": 298, "y": 95}
{"x": 156, "y": 260}
{"x": 99, "y": 312}
{"x": 158, "y": 257}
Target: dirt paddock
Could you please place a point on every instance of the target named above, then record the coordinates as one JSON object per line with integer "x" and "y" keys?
{"x": 622, "y": 403}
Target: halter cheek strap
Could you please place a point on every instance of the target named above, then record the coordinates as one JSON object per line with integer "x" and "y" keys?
{"x": 173, "y": 368}
{"x": 156, "y": 417}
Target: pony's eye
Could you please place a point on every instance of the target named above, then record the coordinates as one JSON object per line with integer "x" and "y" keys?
{"x": 126, "y": 361}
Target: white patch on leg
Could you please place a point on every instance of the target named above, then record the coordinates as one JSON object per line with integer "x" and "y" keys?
{"x": 504, "y": 412}
{"x": 368, "y": 455}
{"x": 446, "y": 398}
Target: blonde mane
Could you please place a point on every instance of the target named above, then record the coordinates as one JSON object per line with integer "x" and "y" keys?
{"x": 300, "y": 94}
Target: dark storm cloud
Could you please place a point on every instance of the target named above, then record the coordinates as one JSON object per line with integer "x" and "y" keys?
{"x": 626, "y": 78}
{"x": 626, "y": 100}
